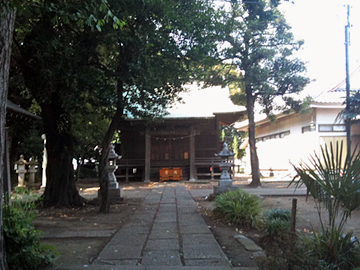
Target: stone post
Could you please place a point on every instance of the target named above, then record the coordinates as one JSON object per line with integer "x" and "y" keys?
{"x": 32, "y": 171}
{"x": 44, "y": 164}
{"x": 20, "y": 170}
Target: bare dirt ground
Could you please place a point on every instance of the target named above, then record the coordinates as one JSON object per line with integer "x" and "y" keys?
{"x": 83, "y": 250}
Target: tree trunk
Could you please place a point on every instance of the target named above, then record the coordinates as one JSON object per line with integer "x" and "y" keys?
{"x": 103, "y": 166}
{"x": 7, "y": 20}
{"x": 60, "y": 190}
{"x": 255, "y": 171}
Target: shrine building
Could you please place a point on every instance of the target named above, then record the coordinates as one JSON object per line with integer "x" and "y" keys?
{"x": 180, "y": 148}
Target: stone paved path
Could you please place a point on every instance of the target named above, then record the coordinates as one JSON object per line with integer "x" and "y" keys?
{"x": 165, "y": 232}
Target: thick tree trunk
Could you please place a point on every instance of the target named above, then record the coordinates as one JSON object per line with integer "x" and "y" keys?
{"x": 60, "y": 190}
{"x": 255, "y": 171}
{"x": 103, "y": 168}
{"x": 7, "y": 20}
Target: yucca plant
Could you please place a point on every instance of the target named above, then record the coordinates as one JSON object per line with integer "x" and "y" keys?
{"x": 334, "y": 182}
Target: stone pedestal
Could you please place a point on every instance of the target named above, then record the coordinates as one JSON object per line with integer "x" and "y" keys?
{"x": 116, "y": 195}
{"x": 32, "y": 171}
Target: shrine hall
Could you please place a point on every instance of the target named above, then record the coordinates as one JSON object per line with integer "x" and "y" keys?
{"x": 180, "y": 148}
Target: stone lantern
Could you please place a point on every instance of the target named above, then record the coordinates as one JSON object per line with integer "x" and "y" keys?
{"x": 32, "y": 163}
{"x": 115, "y": 192}
{"x": 20, "y": 170}
{"x": 225, "y": 183}
{"x": 113, "y": 184}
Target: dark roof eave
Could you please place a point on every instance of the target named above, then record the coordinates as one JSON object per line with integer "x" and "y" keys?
{"x": 12, "y": 107}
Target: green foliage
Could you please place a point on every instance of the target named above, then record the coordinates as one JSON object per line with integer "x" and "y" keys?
{"x": 290, "y": 254}
{"x": 334, "y": 250}
{"x": 260, "y": 44}
{"x": 353, "y": 109}
{"x": 233, "y": 138}
{"x": 22, "y": 243}
{"x": 240, "y": 208}
{"x": 277, "y": 224}
{"x": 333, "y": 179}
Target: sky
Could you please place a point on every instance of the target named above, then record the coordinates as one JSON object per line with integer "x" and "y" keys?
{"x": 321, "y": 24}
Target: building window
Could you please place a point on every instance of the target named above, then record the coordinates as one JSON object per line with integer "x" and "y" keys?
{"x": 308, "y": 128}
{"x": 273, "y": 136}
{"x": 332, "y": 128}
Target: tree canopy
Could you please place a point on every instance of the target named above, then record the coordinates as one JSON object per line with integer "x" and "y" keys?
{"x": 135, "y": 65}
{"x": 258, "y": 62}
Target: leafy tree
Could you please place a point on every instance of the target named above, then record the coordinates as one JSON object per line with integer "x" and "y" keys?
{"x": 233, "y": 137}
{"x": 7, "y": 20}
{"x": 258, "y": 62}
{"x": 53, "y": 52}
{"x": 137, "y": 70}
{"x": 353, "y": 107}
{"x": 156, "y": 51}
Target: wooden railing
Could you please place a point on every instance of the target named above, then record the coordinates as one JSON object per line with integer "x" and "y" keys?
{"x": 200, "y": 162}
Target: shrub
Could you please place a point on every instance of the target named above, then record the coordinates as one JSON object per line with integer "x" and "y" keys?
{"x": 22, "y": 244}
{"x": 239, "y": 208}
{"x": 334, "y": 250}
{"x": 277, "y": 224}
{"x": 334, "y": 182}
{"x": 291, "y": 254}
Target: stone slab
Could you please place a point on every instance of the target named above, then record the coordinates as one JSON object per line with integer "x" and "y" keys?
{"x": 210, "y": 251}
{"x": 191, "y": 219}
{"x": 247, "y": 243}
{"x": 208, "y": 262}
{"x": 161, "y": 234}
{"x": 165, "y": 218}
{"x": 165, "y": 226}
{"x": 163, "y": 244}
{"x": 161, "y": 258}
{"x": 188, "y": 229}
{"x": 137, "y": 239}
{"x": 117, "y": 252}
{"x": 115, "y": 262}
{"x": 198, "y": 239}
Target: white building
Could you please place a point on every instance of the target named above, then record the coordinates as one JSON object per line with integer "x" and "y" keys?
{"x": 292, "y": 137}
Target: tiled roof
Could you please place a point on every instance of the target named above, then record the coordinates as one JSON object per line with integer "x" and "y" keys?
{"x": 331, "y": 96}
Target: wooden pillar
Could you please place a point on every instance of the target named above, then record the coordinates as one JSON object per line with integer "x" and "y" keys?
{"x": 192, "y": 154}
{"x": 147, "y": 154}
{"x": 127, "y": 172}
